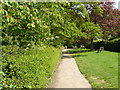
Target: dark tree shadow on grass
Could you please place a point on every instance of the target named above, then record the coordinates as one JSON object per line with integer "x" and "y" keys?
{"x": 75, "y": 52}
{"x": 79, "y": 55}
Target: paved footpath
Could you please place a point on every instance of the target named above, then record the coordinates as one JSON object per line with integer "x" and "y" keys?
{"x": 68, "y": 75}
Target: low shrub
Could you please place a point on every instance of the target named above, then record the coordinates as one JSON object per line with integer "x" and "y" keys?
{"x": 31, "y": 69}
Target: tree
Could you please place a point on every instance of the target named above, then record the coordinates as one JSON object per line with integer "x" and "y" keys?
{"x": 91, "y": 31}
{"x": 80, "y": 15}
{"x": 26, "y": 24}
{"x": 109, "y": 21}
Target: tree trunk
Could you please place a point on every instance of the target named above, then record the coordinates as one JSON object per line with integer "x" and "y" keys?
{"x": 92, "y": 44}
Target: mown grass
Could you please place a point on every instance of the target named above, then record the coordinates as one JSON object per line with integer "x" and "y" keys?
{"x": 101, "y": 69}
{"x": 31, "y": 69}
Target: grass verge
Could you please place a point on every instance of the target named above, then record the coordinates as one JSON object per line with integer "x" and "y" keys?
{"x": 101, "y": 69}
{"x": 32, "y": 69}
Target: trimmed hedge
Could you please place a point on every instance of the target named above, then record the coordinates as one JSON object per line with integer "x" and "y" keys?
{"x": 31, "y": 69}
{"x": 112, "y": 45}
{"x": 96, "y": 44}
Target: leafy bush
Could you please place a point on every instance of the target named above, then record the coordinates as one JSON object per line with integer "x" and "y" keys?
{"x": 31, "y": 69}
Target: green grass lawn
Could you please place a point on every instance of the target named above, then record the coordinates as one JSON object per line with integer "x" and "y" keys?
{"x": 101, "y": 69}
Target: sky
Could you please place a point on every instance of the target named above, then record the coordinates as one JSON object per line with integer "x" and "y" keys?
{"x": 116, "y": 5}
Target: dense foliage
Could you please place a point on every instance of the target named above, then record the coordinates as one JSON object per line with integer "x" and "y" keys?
{"x": 109, "y": 21}
{"x": 26, "y": 24}
{"x": 30, "y": 69}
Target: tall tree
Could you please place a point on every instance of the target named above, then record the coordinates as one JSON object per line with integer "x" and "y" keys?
{"x": 91, "y": 31}
{"x": 36, "y": 23}
{"x": 109, "y": 21}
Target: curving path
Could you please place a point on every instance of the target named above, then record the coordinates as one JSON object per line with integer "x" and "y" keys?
{"x": 68, "y": 74}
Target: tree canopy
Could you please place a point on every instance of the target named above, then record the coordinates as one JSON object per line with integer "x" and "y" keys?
{"x": 27, "y": 24}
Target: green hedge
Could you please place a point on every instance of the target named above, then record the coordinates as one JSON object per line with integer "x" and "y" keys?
{"x": 31, "y": 69}
{"x": 112, "y": 45}
{"x": 96, "y": 44}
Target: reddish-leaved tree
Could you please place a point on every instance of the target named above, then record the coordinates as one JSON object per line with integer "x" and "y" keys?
{"x": 109, "y": 21}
